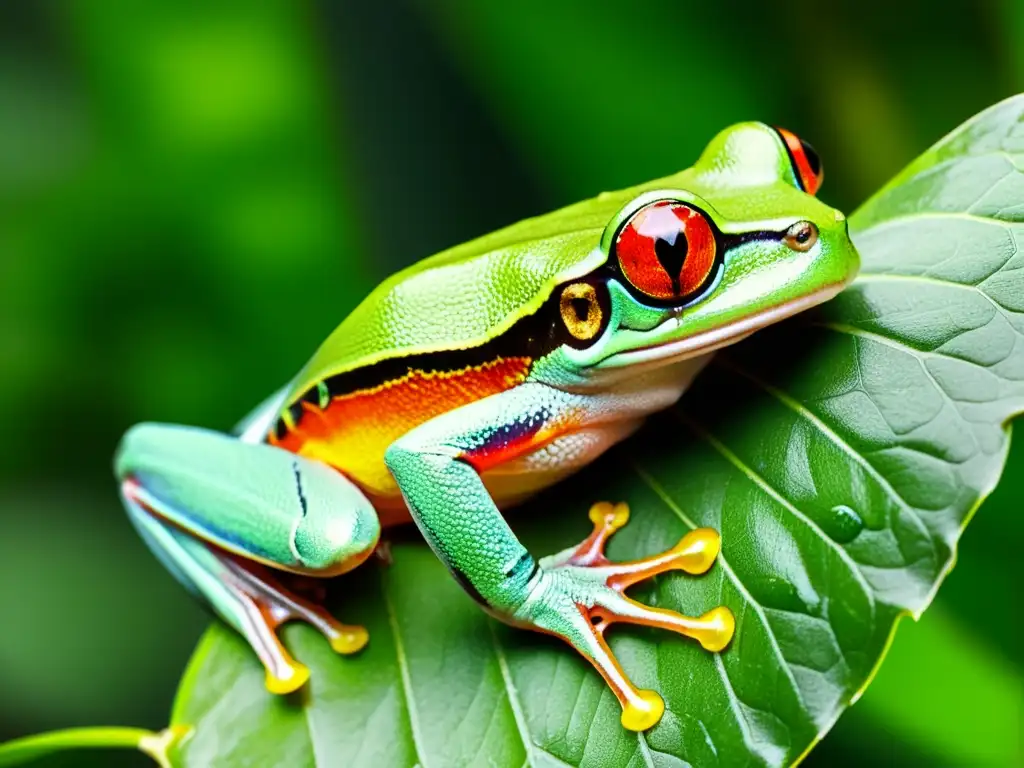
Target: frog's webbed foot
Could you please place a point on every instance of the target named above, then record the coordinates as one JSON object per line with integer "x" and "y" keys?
{"x": 579, "y": 594}
{"x": 266, "y": 605}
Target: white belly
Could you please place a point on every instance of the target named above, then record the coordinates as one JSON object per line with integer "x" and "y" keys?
{"x": 613, "y": 414}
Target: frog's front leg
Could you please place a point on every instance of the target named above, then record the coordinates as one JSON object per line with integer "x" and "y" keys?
{"x": 220, "y": 513}
{"x": 575, "y": 594}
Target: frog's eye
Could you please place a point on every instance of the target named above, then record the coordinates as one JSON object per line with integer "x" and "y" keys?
{"x": 667, "y": 250}
{"x": 801, "y": 236}
{"x": 806, "y": 163}
{"x": 584, "y": 311}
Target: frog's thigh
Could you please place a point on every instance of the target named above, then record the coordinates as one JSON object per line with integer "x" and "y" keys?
{"x": 212, "y": 507}
{"x": 523, "y": 476}
{"x": 256, "y": 501}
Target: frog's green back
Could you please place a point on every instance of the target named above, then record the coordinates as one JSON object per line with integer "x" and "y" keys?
{"x": 472, "y": 293}
{"x": 469, "y": 294}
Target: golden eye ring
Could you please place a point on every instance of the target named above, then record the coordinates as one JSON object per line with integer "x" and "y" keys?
{"x": 581, "y": 311}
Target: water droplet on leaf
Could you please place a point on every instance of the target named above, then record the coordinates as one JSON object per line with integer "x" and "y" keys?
{"x": 846, "y": 524}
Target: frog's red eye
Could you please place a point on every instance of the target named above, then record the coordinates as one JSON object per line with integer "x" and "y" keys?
{"x": 666, "y": 250}
{"x": 806, "y": 162}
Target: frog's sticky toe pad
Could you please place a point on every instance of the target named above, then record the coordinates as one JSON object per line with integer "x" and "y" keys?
{"x": 604, "y": 514}
{"x": 350, "y": 640}
{"x": 284, "y": 684}
{"x": 718, "y": 627}
{"x": 644, "y": 712}
{"x": 698, "y": 550}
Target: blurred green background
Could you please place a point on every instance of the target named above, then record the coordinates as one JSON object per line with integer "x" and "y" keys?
{"x": 192, "y": 198}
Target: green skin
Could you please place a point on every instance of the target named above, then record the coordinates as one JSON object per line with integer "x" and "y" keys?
{"x": 209, "y": 504}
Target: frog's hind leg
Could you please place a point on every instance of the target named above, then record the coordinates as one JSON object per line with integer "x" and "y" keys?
{"x": 210, "y": 576}
{"x": 220, "y": 514}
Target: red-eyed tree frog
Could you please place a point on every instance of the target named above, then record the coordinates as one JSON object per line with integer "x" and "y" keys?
{"x": 473, "y": 379}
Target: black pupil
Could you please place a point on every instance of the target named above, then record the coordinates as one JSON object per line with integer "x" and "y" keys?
{"x": 803, "y": 234}
{"x": 671, "y": 257}
{"x": 582, "y": 309}
{"x": 812, "y": 158}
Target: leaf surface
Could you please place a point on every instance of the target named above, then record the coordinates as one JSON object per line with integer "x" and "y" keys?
{"x": 840, "y": 455}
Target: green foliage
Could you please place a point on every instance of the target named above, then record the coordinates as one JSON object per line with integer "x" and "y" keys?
{"x": 840, "y": 455}
{"x": 192, "y": 197}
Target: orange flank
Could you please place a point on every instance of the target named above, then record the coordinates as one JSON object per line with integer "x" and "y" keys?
{"x": 355, "y": 429}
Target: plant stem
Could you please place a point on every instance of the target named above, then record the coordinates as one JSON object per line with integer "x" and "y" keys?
{"x": 154, "y": 744}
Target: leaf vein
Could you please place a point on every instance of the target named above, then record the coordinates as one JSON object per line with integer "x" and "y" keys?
{"x": 669, "y": 502}
{"x": 762, "y": 483}
{"x": 513, "y": 697}
{"x": 801, "y": 410}
{"x": 403, "y": 670}
{"x": 645, "y": 750}
{"x": 940, "y": 215}
{"x": 868, "y": 277}
{"x": 920, "y": 354}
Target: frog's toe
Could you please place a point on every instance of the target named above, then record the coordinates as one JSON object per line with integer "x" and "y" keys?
{"x": 643, "y": 713}
{"x": 713, "y": 630}
{"x": 607, "y": 519}
{"x": 288, "y": 680}
{"x": 277, "y": 605}
{"x": 581, "y": 593}
{"x": 349, "y": 639}
{"x": 695, "y": 553}
{"x": 268, "y": 605}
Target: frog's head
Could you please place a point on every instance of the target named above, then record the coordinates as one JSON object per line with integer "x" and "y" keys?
{"x": 737, "y": 242}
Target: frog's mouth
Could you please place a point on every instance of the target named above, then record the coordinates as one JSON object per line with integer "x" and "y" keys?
{"x": 671, "y": 348}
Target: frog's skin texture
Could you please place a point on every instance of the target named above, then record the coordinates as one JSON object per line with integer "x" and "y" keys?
{"x": 479, "y": 376}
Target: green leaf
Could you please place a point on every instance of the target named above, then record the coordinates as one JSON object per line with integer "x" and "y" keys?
{"x": 840, "y": 455}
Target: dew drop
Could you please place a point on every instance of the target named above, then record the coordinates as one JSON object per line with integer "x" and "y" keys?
{"x": 846, "y": 524}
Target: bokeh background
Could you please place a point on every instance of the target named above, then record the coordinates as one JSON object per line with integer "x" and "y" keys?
{"x": 191, "y": 198}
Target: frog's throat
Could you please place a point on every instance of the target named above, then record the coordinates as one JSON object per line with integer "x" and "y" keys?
{"x": 713, "y": 339}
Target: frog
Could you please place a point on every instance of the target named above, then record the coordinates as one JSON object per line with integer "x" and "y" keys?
{"x": 467, "y": 383}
